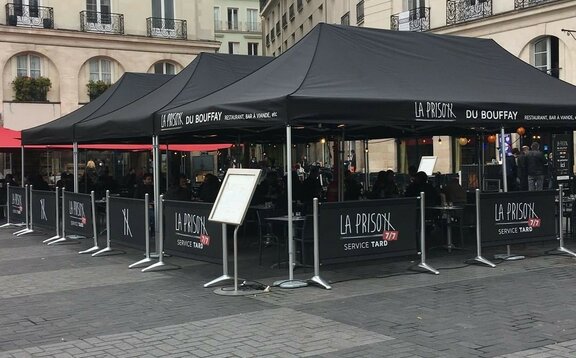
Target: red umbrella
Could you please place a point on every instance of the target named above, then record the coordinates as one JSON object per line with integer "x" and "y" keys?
{"x": 11, "y": 139}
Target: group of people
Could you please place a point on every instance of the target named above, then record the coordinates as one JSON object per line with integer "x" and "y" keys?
{"x": 528, "y": 169}
{"x": 180, "y": 189}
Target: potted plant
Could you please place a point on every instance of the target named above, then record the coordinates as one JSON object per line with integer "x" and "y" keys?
{"x": 96, "y": 88}
{"x": 28, "y": 89}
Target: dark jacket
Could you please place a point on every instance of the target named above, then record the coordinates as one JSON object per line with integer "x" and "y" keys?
{"x": 535, "y": 163}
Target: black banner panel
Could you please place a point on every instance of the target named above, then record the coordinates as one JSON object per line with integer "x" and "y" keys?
{"x": 188, "y": 233}
{"x": 77, "y": 214}
{"x": 367, "y": 229}
{"x": 43, "y": 209}
{"x": 127, "y": 224}
{"x": 17, "y": 204}
{"x": 517, "y": 217}
{"x": 562, "y": 157}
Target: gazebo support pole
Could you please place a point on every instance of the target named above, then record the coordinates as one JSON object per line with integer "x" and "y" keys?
{"x": 75, "y": 162}
{"x": 503, "y": 155}
{"x": 508, "y": 255}
{"x": 366, "y": 168}
{"x": 156, "y": 178}
{"x": 291, "y": 283}
{"x": 22, "y": 165}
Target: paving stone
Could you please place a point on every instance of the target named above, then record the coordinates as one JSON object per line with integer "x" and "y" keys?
{"x": 55, "y": 302}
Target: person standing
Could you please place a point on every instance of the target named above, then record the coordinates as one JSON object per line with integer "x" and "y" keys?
{"x": 551, "y": 170}
{"x": 535, "y": 167}
{"x": 521, "y": 167}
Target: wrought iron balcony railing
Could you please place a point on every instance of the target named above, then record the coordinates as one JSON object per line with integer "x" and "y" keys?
{"x": 520, "y": 4}
{"x": 458, "y": 11}
{"x": 167, "y": 28}
{"x": 413, "y": 20}
{"x": 30, "y": 16}
{"x": 225, "y": 26}
{"x": 103, "y": 22}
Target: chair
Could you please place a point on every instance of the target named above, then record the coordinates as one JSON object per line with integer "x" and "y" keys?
{"x": 266, "y": 235}
{"x": 304, "y": 236}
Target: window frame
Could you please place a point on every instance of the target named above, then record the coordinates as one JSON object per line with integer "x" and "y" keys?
{"x": 232, "y": 24}
{"x": 251, "y": 47}
{"x": 28, "y": 66}
{"x": 101, "y": 74}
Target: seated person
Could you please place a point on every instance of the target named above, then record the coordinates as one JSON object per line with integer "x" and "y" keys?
{"x": 179, "y": 189}
{"x": 421, "y": 184}
{"x": 454, "y": 192}
{"x": 145, "y": 187}
{"x": 209, "y": 189}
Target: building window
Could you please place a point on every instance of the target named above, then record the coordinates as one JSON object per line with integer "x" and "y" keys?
{"x": 101, "y": 70}
{"x": 26, "y": 8}
{"x": 234, "y": 47}
{"x": 28, "y": 66}
{"x": 162, "y": 10}
{"x": 232, "y": 18}
{"x": 217, "y": 21}
{"x": 413, "y": 4}
{"x": 165, "y": 68}
{"x": 252, "y": 20}
{"x": 345, "y": 20}
{"x": 545, "y": 56}
{"x": 253, "y": 48}
{"x": 360, "y": 12}
{"x": 98, "y": 11}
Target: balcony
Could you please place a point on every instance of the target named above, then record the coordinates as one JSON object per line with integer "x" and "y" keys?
{"x": 521, "y": 4}
{"x": 278, "y": 32}
{"x": 360, "y": 12}
{"x": 167, "y": 28}
{"x": 291, "y": 12}
{"x": 284, "y": 21}
{"x": 101, "y": 22}
{"x": 225, "y": 26}
{"x": 458, "y": 11}
{"x": 30, "y": 16}
{"x": 413, "y": 20}
{"x": 299, "y": 5}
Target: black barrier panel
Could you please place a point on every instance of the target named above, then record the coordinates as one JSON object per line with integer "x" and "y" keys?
{"x": 77, "y": 214}
{"x": 43, "y": 209}
{"x": 367, "y": 229}
{"x": 127, "y": 224}
{"x": 517, "y": 217}
{"x": 18, "y": 205}
{"x": 188, "y": 233}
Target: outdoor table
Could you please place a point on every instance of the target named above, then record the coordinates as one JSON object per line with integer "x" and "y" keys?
{"x": 284, "y": 220}
{"x": 447, "y": 213}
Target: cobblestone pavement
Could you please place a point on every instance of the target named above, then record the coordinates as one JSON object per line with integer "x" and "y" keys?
{"x": 55, "y": 302}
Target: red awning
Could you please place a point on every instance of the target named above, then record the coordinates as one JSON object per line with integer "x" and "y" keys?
{"x": 11, "y": 139}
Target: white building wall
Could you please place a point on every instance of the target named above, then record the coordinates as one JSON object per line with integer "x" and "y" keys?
{"x": 66, "y": 50}
{"x": 514, "y": 29}
{"x": 246, "y": 33}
